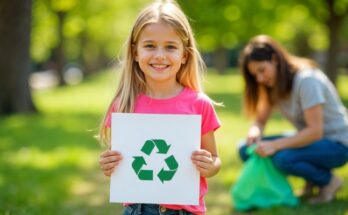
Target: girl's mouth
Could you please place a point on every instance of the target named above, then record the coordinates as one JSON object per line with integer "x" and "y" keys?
{"x": 159, "y": 67}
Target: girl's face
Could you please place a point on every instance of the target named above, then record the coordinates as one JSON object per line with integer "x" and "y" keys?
{"x": 160, "y": 53}
{"x": 263, "y": 71}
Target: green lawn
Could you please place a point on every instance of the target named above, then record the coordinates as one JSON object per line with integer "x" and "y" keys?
{"x": 49, "y": 161}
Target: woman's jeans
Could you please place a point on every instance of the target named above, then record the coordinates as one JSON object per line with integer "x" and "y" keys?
{"x": 152, "y": 209}
{"x": 312, "y": 162}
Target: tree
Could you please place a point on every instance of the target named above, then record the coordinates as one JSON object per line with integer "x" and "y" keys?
{"x": 331, "y": 14}
{"x": 15, "y": 21}
{"x": 334, "y": 23}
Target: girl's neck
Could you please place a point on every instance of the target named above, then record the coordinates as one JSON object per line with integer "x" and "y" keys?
{"x": 163, "y": 91}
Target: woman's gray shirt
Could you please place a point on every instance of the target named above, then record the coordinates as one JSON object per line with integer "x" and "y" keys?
{"x": 311, "y": 87}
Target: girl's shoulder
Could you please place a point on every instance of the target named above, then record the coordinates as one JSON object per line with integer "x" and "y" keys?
{"x": 197, "y": 96}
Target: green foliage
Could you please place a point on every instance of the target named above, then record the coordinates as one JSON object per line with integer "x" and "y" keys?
{"x": 43, "y": 32}
{"x": 302, "y": 24}
{"x": 49, "y": 162}
{"x": 90, "y": 28}
{"x": 95, "y": 31}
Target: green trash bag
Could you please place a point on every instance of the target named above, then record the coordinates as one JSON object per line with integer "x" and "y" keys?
{"x": 261, "y": 185}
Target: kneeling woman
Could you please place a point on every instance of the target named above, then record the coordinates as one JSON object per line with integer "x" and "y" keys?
{"x": 305, "y": 96}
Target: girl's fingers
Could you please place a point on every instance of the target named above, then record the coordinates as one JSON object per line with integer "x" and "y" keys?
{"x": 109, "y": 158}
{"x": 202, "y": 162}
{"x": 108, "y": 166}
{"x": 202, "y": 165}
{"x": 109, "y": 153}
{"x": 108, "y": 172}
{"x": 205, "y": 160}
{"x": 201, "y": 153}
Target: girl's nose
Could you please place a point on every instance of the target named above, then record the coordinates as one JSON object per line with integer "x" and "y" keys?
{"x": 160, "y": 54}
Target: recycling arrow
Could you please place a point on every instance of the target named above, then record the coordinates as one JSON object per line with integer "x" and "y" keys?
{"x": 163, "y": 174}
{"x": 137, "y": 164}
{"x": 167, "y": 175}
{"x": 150, "y": 145}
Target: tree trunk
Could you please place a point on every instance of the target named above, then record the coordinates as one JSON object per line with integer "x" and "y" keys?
{"x": 58, "y": 53}
{"x": 333, "y": 23}
{"x": 220, "y": 60}
{"x": 15, "y": 21}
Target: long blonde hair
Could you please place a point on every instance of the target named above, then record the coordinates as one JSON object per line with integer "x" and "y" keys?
{"x": 132, "y": 81}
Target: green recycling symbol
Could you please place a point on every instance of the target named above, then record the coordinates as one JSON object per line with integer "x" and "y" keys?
{"x": 147, "y": 174}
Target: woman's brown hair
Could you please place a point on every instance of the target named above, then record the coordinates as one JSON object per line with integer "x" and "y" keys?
{"x": 264, "y": 48}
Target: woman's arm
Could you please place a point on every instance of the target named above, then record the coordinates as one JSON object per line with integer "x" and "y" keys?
{"x": 206, "y": 159}
{"x": 311, "y": 133}
{"x": 255, "y": 132}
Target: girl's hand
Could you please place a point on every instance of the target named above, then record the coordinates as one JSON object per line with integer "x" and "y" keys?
{"x": 109, "y": 160}
{"x": 254, "y": 135}
{"x": 205, "y": 162}
{"x": 266, "y": 148}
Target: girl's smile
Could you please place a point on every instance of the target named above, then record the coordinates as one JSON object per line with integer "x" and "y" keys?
{"x": 159, "y": 67}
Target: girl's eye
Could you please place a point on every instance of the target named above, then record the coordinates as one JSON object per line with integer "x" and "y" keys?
{"x": 171, "y": 47}
{"x": 149, "y": 46}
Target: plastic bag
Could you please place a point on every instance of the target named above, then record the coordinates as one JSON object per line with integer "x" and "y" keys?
{"x": 261, "y": 185}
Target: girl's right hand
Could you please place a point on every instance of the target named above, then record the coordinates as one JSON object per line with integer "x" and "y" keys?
{"x": 109, "y": 160}
{"x": 254, "y": 135}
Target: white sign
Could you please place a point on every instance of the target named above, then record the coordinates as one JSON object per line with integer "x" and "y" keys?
{"x": 156, "y": 166}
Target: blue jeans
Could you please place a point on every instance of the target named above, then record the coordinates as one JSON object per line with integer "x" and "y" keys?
{"x": 152, "y": 209}
{"x": 313, "y": 162}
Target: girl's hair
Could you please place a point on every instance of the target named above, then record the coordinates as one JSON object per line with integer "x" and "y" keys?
{"x": 264, "y": 48}
{"x": 132, "y": 81}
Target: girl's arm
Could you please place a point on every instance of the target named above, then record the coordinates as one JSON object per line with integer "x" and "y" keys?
{"x": 206, "y": 159}
{"x": 311, "y": 133}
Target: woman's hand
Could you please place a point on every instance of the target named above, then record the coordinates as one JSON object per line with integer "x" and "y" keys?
{"x": 266, "y": 148}
{"x": 109, "y": 160}
{"x": 205, "y": 162}
{"x": 254, "y": 135}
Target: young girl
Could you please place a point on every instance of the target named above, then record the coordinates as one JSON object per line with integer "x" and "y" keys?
{"x": 161, "y": 75}
{"x": 305, "y": 96}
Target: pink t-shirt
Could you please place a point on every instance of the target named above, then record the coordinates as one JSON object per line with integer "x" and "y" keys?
{"x": 187, "y": 102}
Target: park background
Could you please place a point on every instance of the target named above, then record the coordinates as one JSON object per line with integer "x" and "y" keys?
{"x": 58, "y": 73}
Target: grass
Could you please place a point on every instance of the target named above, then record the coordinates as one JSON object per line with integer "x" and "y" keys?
{"x": 49, "y": 161}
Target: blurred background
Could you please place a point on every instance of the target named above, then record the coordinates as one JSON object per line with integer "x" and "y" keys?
{"x": 59, "y": 70}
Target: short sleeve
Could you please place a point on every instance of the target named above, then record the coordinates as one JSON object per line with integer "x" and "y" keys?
{"x": 311, "y": 93}
{"x": 210, "y": 120}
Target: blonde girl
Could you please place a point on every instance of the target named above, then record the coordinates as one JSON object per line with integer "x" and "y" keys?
{"x": 161, "y": 74}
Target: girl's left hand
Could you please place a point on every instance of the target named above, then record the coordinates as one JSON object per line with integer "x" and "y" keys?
{"x": 265, "y": 148}
{"x": 204, "y": 162}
